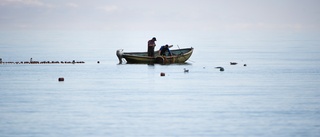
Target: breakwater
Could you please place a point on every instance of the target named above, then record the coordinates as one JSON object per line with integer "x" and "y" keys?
{"x": 42, "y": 62}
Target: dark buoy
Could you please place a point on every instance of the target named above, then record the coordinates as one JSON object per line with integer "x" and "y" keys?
{"x": 98, "y": 62}
{"x": 162, "y": 74}
{"x": 244, "y": 64}
{"x": 61, "y": 79}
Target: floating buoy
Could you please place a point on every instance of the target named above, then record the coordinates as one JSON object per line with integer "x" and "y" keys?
{"x": 61, "y": 79}
{"x": 244, "y": 64}
{"x": 98, "y": 62}
{"x": 162, "y": 74}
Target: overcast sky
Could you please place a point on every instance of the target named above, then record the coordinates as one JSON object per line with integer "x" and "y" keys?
{"x": 178, "y": 15}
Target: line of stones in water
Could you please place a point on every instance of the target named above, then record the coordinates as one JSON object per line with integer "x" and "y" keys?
{"x": 43, "y": 62}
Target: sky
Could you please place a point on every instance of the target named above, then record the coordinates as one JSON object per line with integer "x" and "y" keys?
{"x": 179, "y": 15}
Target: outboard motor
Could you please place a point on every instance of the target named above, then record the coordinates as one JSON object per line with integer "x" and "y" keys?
{"x": 119, "y": 55}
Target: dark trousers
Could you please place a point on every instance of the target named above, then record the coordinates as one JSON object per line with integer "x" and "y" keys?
{"x": 151, "y": 51}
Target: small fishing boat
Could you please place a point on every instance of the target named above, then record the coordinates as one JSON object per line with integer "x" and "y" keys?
{"x": 178, "y": 56}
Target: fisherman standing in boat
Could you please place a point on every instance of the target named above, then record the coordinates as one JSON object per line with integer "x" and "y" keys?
{"x": 151, "y": 45}
{"x": 164, "y": 49}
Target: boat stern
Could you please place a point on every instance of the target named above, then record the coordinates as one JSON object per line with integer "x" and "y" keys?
{"x": 119, "y": 54}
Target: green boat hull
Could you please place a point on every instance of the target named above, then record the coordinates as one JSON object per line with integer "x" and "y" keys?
{"x": 178, "y": 56}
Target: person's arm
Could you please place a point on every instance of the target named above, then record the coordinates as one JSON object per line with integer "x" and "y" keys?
{"x": 154, "y": 44}
{"x": 160, "y": 50}
{"x": 169, "y": 52}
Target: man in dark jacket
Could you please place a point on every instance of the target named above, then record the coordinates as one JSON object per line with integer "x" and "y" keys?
{"x": 151, "y": 45}
{"x": 165, "y": 49}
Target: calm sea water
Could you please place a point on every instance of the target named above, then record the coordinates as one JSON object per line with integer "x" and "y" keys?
{"x": 276, "y": 94}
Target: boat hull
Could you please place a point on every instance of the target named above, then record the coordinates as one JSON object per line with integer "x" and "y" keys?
{"x": 179, "y": 56}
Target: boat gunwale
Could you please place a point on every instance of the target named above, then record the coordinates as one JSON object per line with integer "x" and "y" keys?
{"x": 136, "y": 54}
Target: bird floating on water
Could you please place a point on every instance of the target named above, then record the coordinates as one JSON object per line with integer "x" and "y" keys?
{"x": 221, "y": 68}
{"x": 185, "y": 70}
{"x": 233, "y": 63}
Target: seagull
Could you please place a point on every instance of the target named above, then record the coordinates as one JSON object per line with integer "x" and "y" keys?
{"x": 186, "y": 70}
{"x": 221, "y": 68}
{"x": 233, "y": 63}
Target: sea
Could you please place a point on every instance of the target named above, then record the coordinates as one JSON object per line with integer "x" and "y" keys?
{"x": 272, "y": 91}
